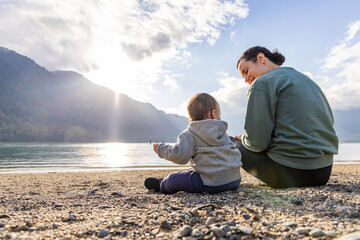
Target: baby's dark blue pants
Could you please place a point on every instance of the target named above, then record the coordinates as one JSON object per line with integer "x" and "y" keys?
{"x": 191, "y": 182}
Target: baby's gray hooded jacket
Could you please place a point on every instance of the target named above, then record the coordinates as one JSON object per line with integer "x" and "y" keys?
{"x": 210, "y": 152}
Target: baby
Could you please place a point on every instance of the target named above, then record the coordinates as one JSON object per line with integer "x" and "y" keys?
{"x": 215, "y": 162}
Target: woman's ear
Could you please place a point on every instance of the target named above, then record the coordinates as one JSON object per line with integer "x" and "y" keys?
{"x": 261, "y": 58}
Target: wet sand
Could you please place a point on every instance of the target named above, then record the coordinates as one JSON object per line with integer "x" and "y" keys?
{"x": 116, "y": 205}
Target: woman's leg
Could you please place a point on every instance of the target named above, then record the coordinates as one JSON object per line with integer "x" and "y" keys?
{"x": 188, "y": 181}
{"x": 276, "y": 175}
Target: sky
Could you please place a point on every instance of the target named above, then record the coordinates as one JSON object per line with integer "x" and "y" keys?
{"x": 164, "y": 52}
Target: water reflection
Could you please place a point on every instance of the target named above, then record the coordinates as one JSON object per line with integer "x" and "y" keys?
{"x": 67, "y": 156}
{"x": 115, "y": 154}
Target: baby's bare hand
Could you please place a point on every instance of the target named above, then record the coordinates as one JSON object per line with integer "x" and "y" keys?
{"x": 155, "y": 145}
{"x": 239, "y": 137}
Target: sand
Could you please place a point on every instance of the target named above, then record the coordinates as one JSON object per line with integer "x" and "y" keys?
{"x": 116, "y": 205}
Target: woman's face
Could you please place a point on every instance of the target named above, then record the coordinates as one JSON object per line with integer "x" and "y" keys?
{"x": 252, "y": 70}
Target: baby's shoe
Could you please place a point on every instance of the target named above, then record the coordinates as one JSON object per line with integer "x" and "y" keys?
{"x": 153, "y": 183}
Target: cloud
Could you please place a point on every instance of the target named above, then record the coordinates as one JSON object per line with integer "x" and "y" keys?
{"x": 343, "y": 88}
{"x": 114, "y": 41}
{"x": 233, "y": 91}
{"x": 171, "y": 82}
{"x": 309, "y": 74}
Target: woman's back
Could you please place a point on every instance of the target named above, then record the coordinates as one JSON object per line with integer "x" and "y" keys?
{"x": 302, "y": 122}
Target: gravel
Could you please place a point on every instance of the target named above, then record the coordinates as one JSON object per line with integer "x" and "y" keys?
{"x": 116, "y": 205}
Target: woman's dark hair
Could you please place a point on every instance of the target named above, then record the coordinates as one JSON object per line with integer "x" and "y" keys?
{"x": 200, "y": 105}
{"x": 251, "y": 55}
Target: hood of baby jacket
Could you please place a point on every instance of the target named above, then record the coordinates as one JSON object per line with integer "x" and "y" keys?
{"x": 210, "y": 131}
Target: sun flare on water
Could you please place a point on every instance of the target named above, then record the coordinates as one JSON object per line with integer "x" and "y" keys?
{"x": 115, "y": 154}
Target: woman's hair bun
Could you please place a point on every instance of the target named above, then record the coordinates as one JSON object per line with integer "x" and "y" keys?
{"x": 277, "y": 57}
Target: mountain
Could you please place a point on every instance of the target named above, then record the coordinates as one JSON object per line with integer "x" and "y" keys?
{"x": 37, "y": 105}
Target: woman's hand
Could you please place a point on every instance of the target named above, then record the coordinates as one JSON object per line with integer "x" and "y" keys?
{"x": 239, "y": 137}
{"x": 155, "y": 145}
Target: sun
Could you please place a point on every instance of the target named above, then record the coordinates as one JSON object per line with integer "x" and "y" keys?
{"x": 114, "y": 70}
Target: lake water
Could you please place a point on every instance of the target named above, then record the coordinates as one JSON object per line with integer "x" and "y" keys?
{"x": 45, "y": 157}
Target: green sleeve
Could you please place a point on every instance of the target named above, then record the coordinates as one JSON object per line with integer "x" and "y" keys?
{"x": 259, "y": 120}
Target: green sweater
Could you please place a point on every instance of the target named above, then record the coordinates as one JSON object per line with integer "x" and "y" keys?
{"x": 289, "y": 117}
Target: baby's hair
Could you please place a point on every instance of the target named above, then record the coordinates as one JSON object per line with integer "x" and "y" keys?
{"x": 251, "y": 55}
{"x": 200, "y": 105}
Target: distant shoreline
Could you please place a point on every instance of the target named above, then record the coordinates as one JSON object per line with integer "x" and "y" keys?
{"x": 117, "y": 169}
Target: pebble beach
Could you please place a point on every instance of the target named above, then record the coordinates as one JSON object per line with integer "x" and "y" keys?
{"x": 116, "y": 205}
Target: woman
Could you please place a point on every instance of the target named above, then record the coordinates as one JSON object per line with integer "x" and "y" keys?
{"x": 289, "y": 138}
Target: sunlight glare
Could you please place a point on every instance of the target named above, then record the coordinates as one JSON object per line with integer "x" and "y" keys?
{"x": 114, "y": 70}
{"x": 116, "y": 155}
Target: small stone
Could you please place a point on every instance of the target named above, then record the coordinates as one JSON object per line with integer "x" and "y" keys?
{"x": 58, "y": 205}
{"x": 316, "y": 233}
{"x": 256, "y": 217}
{"x": 241, "y": 194}
{"x": 166, "y": 224}
{"x": 155, "y": 231}
{"x": 251, "y": 208}
{"x": 244, "y": 230}
{"x": 173, "y": 215}
{"x": 246, "y": 216}
{"x": 296, "y": 201}
{"x": 209, "y": 207}
{"x": 104, "y": 206}
{"x": 72, "y": 217}
{"x": 192, "y": 221}
{"x": 265, "y": 223}
{"x": 32, "y": 229}
{"x": 290, "y": 224}
{"x": 240, "y": 189}
{"x": 330, "y": 234}
{"x": 231, "y": 223}
{"x": 103, "y": 233}
{"x": 10, "y": 236}
{"x": 319, "y": 197}
{"x": 175, "y": 208}
{"x": 344, "y": 209}
{"x": 184, "y": 231}
{"x": 211, "y": 220}
{"x": 56, "y": 225}
{"x": 117, "y": 194}
{"x": 304, "y": 230}
{"x": 194, "y": 212}
{"x": 218, "y": 232}
{"x": 93, "y": 192}
{"x": 197, "y": 233}
{"x": 29, "y": 224}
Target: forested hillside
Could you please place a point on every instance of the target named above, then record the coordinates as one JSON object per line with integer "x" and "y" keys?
{"x": 37, "y": 105}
